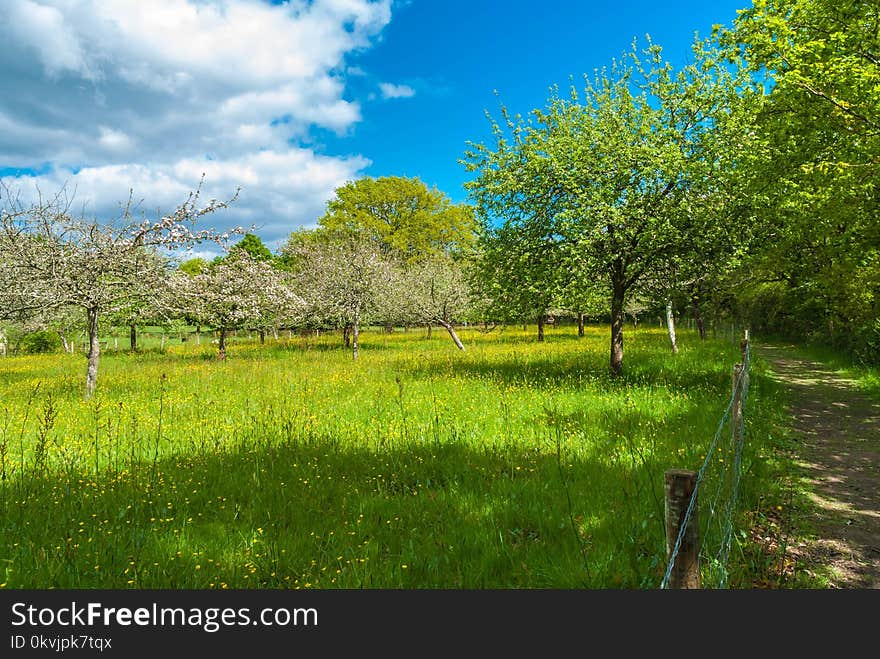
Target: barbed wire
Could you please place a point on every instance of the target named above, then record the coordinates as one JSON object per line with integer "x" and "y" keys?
{"x": 730, "y": 475}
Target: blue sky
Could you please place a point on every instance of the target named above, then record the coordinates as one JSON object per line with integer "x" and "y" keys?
{"x": 288, "y": 100}
{"x": 456, "y": 54}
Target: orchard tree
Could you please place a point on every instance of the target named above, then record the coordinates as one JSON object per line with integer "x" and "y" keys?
{"x": 614, "y": 166}
{"x": 436, "y": 291}
{"x": 345, "y": 280}
{"x": 582, "y": 296}
{"x": 519, "y": 270}
{"x": 50, "y": 259}
{"x": 237, "y": 292}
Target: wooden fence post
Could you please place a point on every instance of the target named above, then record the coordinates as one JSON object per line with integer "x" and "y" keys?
{"x": 739, "y": 373}
{"x": 679, "y": 486}
{"x": 736, "y": 410}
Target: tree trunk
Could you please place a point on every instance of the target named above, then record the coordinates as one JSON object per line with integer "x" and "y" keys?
{"x": 355, "y": 333}
{"x": 222, "y": 352}
{"x": 541, "y": 327}
{"x": 132, "y": 337}
{"x": 525, "y": 327}
{"x": 198, "y": 336}
{"x": 64, "y": 343}
{"x": 580, "y": 324}
{"x": 162, "y": 343}
{"x": 698, "y": 316}
{"x": 275, "y": 333}
{"x": 262, "y": 336}
{"x": 429, "y": 330}
{"x": 617, "y": 321}
{"x": 670, "y": 327}
{"x": 94, "y": 350}
{"x": 449, "y": 328}
{"x": 389, "y": 329}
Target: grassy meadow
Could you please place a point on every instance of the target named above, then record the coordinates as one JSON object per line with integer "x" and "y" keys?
{"x": 513, "y": 464}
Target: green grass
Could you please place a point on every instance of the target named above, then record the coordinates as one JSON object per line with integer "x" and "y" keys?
{"x": 514, "y": 464}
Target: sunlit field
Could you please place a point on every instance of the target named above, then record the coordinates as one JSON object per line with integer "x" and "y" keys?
{"x": 289, "y": 465}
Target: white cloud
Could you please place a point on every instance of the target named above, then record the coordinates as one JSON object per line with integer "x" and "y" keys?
{"x": 114, "y": 140}
{"x": 390, "y": 90}
{"x": 43, "y": 28}
{"x": 273, "y": 187}
{"x": 149, "y": 95}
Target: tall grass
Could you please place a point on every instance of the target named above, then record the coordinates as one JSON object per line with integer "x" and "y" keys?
{"x": 514, "y": 464}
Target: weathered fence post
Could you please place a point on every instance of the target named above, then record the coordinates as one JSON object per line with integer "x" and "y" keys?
{"x": 740, "y": 384}
{"x": 736, "y": 410}
{"x": 679, "y": 487}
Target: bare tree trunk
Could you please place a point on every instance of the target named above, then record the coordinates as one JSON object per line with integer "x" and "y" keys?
{"x": 617, "y": 321}
{"x": 389, "y": 329}
{"x": 94, "y": 351}
{"x": 222, "y": 352}
{"x": 262, "y": 336}
{"x": 670, "y": 327}
{"x": 541, "y": 327}
{"x": 525, "y": 327}
{"x": 64, "y": 342}
{"x": 355, "y": 333}
{"x": 346, "y": 336}
{"x": 698, "y": 316}
{"x": 449, "y": 328}
{"x": 162, "y": 343}
{"x": 115, "y": 344}
{"x": 132, "y": 337}
{"x": 580, "y": 324}
{"x": 274, "y": 332}
{"x": 429, "y": 330}
{"x": 198, "y": 336}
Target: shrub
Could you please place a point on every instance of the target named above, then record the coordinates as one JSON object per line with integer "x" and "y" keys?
{"x": 39, "y": 342}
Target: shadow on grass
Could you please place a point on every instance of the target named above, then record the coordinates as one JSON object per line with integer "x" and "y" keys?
{"x": 643, "y": 369}
{"x": 312, "y": 514}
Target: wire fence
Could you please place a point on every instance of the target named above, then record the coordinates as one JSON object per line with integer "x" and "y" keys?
{"x": 719, "y": 478}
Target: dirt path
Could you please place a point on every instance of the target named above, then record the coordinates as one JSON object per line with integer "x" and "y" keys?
{"x": 838, "y": 432}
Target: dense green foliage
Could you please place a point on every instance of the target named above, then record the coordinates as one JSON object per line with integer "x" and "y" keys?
{"x": 402, "y": 216}
{"x": 818, "y": 273}
{"x": 253, "y": 245}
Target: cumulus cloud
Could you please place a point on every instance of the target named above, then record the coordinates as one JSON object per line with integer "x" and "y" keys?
{"x": 112, "y": 95}
{"x": 389, "y": 90}
{"x": 273, "y": 187}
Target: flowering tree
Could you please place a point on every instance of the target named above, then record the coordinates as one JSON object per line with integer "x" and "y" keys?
{"x": 236, "y": 292}
{"x": 345, "y": 279}
{"x": 436, "y": 290}
{"x": 50, "y": 259}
